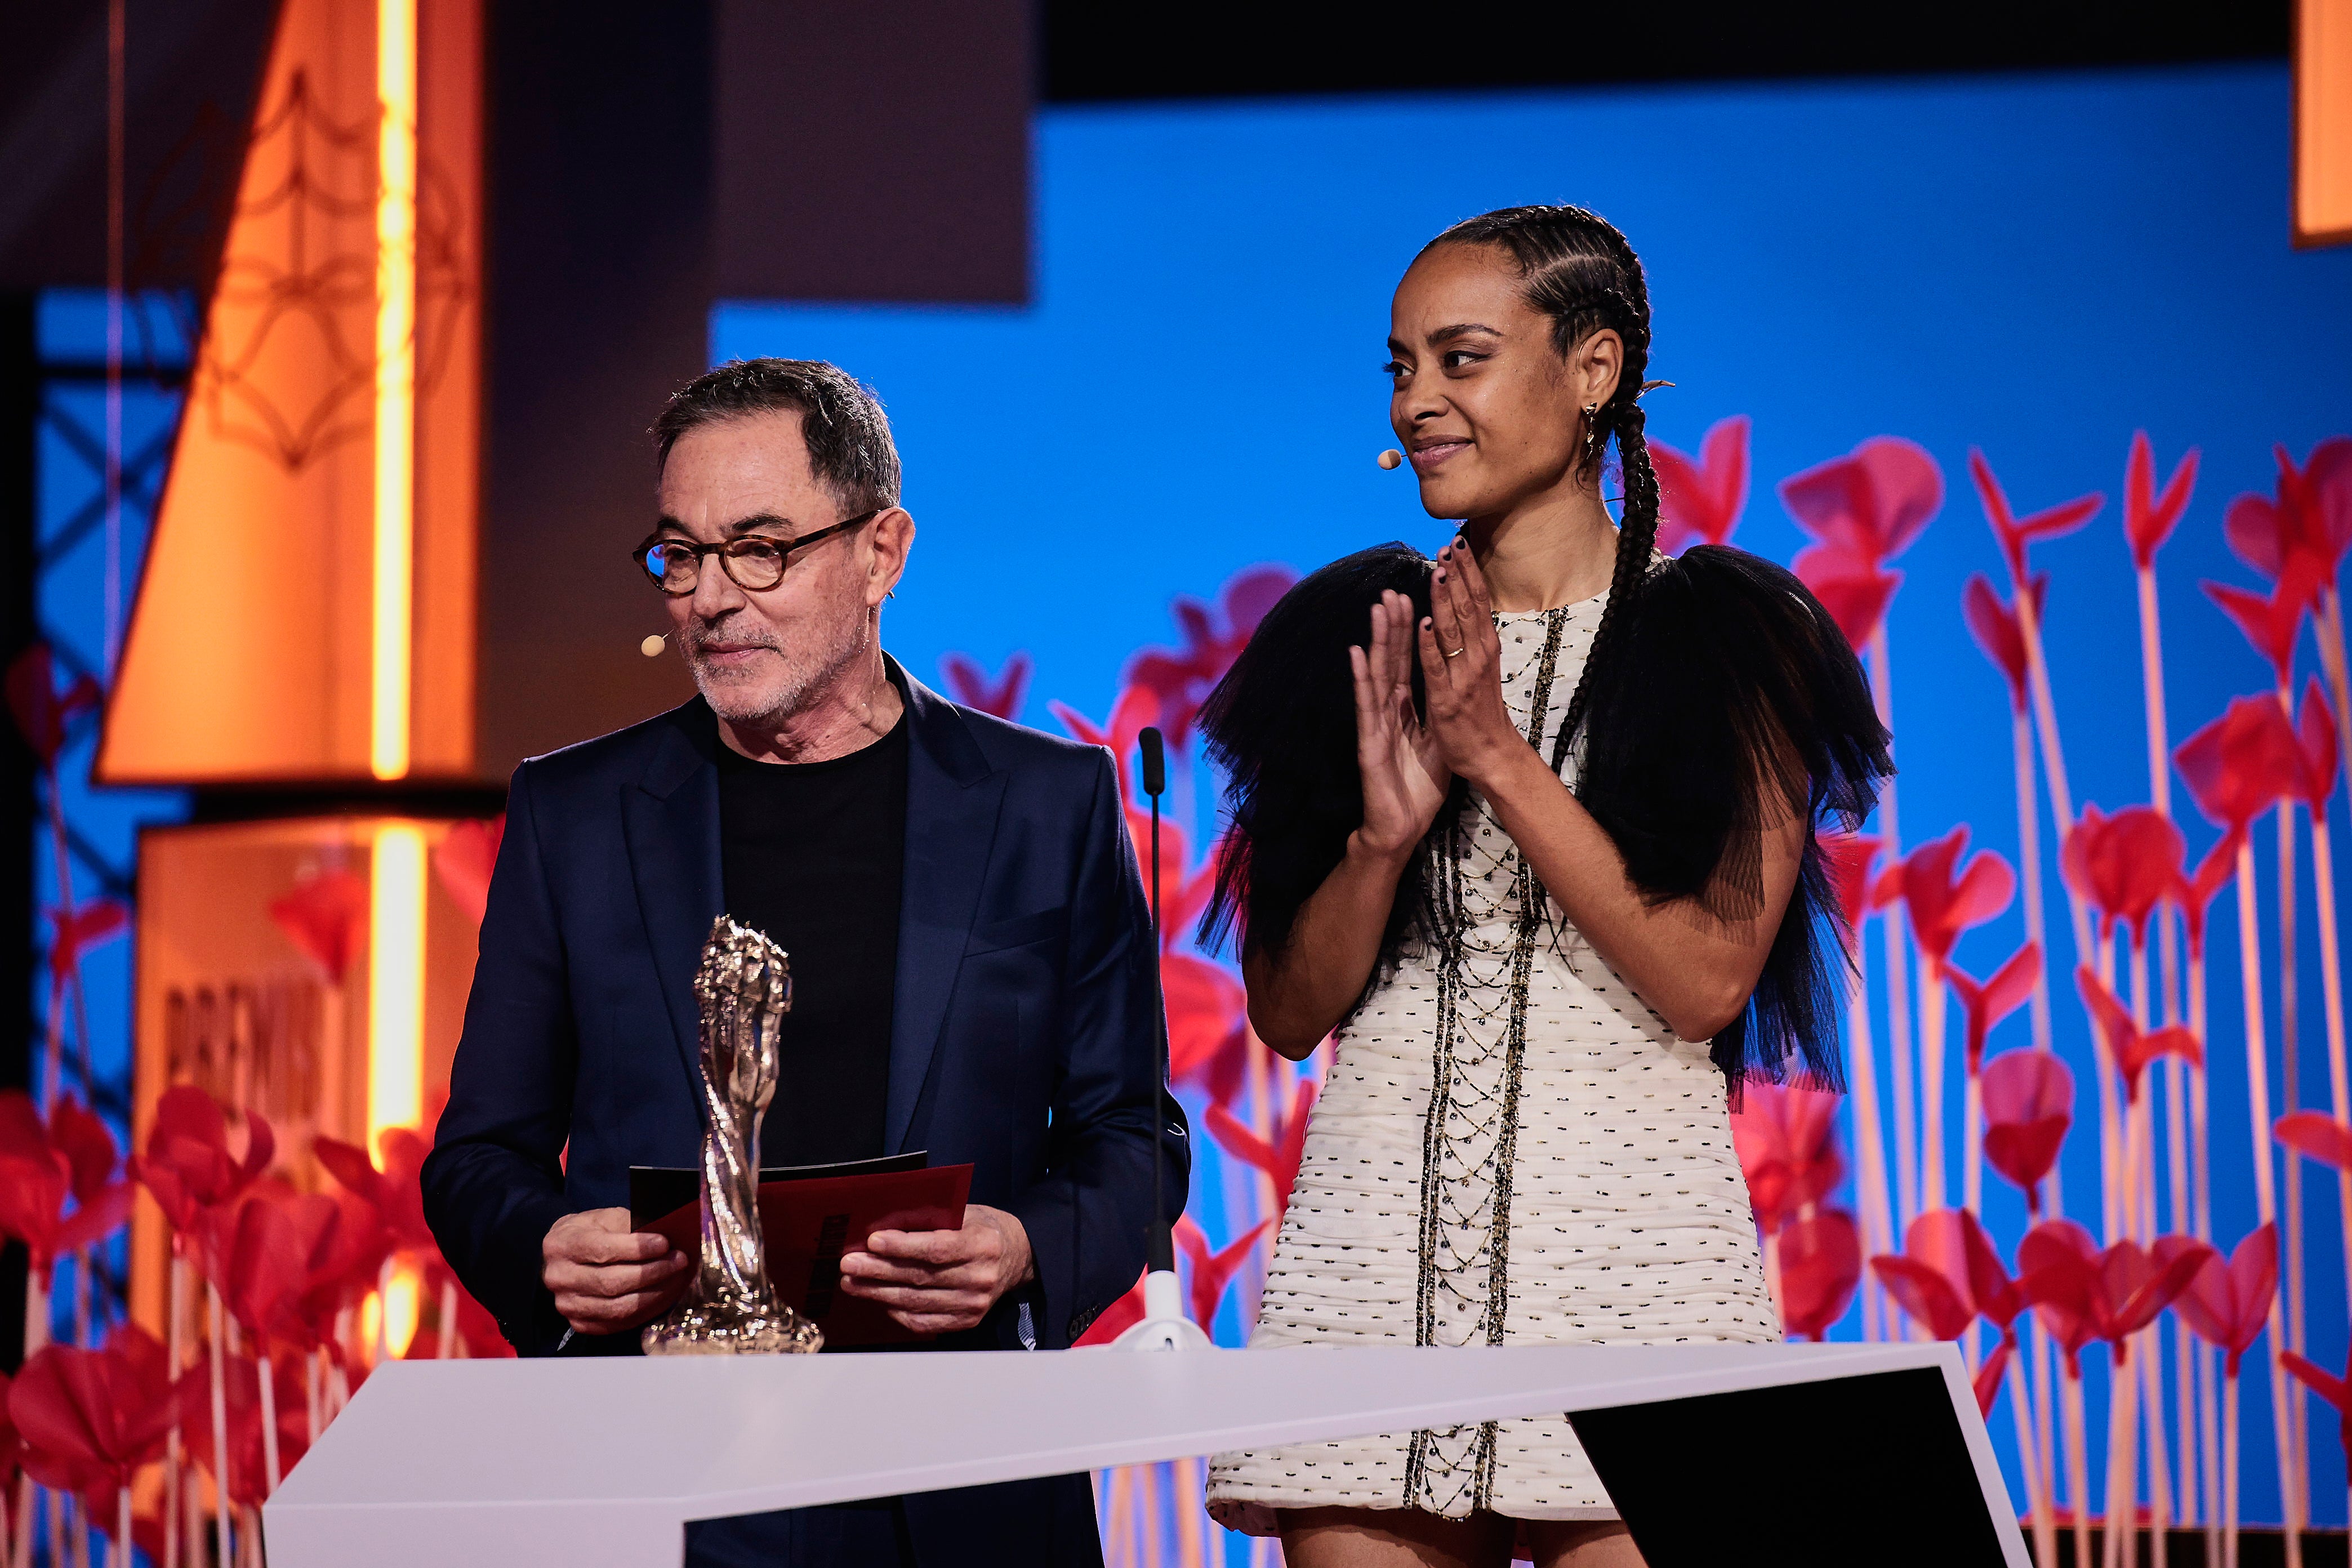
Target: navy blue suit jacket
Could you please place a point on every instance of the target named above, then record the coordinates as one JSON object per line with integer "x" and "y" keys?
{"x": 1021, "y": 1036}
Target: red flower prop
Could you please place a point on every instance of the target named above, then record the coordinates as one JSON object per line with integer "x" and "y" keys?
{"x": 1853, "y": 589}
{"x": 1987, "y": 1385}
{"x": 1786, "y": 1137}
{"x": 1129, "y": 717}
{"x": 2194, "y": 895}
{"x": 41, "y": 1168}
{"x": 42, "y": 713}
{"x": 2315, "y": 735}
{"x": 2227, "y": 1303}
{"x": 188, "y": 1166}
{"x": 1181, "y": 678}
{"x": 1993, "y": 622}
{"x": 1821, "y": 1264}
{"x": 324, "y": 918}
{"x": 1277, "y": 1155}
{"x": 2238, "y": 765}
{"x": 465, "y": 858}
{"x": 2336, "y": 1391}
{"x": 1205, "y": 1007}
{"x": 1987, "y": 1003}
{"x": 2028, "y": 1104}
{"x": 1943, "y": 905}
{"x": 2271, "y": 622}
{"x": 2132, "y": 1049}
{"x": 1870, "y": 504}
{"x": 2310, "y": 517}
{"x": 80, "y": 928}
{"x": 2122, "y": 865}
{"x": 2112, "y": 1295}
{"x": 90, "y": 1419}
{"x": 248, "y": 1477}
{"x": 1849, "y": 858}
{"x": 2149, "y": 517}
{"x": 1947, "y": 1273}
{"x": 2015, "y": 533}
{"x": 1214, "y": 1271}
{"x": 1002, "y": 694}
{"x": 2315, "y": 1135}
{"x": 1700, "y": 501}
{"x": 268, "y": 1255}
{"x": 395, "y": 1192}
{"x": 1115, "y": 1319}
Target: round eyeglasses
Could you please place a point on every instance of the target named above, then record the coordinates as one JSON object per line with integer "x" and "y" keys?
{"x": 753, "y": 563}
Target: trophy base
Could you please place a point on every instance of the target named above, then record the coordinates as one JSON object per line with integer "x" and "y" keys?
{"x": 695, "y": 1328}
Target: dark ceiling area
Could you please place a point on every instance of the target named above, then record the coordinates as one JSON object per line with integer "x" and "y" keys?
{"x": 1094, "y": 53}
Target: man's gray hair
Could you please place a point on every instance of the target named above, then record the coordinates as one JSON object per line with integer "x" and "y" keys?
{"x": 848, "y": 437}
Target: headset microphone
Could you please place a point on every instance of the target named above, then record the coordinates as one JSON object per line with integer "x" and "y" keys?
{"x": 1391, "y": 458}
{"x": 651, "y": 648}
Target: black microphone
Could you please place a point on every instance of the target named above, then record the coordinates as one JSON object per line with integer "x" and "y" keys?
{"x": 1155, "y": 771}
{"x": 1161, "y": 1250}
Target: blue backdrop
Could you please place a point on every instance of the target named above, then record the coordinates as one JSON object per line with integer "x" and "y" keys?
{"x": 2035, "y": 266}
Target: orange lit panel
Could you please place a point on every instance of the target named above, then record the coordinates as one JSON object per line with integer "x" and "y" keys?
{"x": 2323, "y": 122}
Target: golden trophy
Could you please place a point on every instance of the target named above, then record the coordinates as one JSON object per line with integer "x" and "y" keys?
{"x": 743, "y": 988}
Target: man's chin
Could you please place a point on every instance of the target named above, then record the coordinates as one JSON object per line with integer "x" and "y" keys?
{"x": 740, "y": 701}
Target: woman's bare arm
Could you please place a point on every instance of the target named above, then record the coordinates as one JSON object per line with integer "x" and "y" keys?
{"x": 1300, "y": 990}
{"x": 1696, "y": 970}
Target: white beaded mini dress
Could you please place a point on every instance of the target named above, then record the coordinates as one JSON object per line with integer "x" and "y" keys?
{"x": 1509, "y": 1148}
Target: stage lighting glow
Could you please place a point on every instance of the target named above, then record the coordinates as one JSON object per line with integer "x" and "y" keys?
{"x": 396, "y": 979}
{"x": 395, "y": 382}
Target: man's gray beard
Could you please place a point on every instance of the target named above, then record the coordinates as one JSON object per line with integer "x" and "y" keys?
{"x": 734, "y": 703}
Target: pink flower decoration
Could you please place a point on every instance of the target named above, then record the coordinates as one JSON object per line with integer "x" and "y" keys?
{"x": 1942, "y": 905}
{"x": 2271, "y": 622}
{"x": 324, "y": 918}
{"x": 2015, "y": 533}
{"x": 2122, "y": 865}
{"x": 2317, "y": 1135}
{"x": 1001, "y": 694}
{"x": 188, "y": 1167}
{"x": 2309, "y": 517}
{"x": 2336, "y": 1391}
{"x": 2150, "y": 517}
{"x": 1278, "y": 1155}
{"x": 1987, "y": 1003}
{"x": 1700, "y": 501}
{"x": 92, "y": 922}
{"x": 2028, "y": 1104}
{"x": 90, "y": 1419}
{"x": 2082, "y": 1293}
{"x": 1181, "y": 678}
{"x": 1136, "y": 711}
{"x": 1850, "y": 855}
{"x": 41, "y": 711}
{"x": 1786, "y": 1137}
{"x": 1821, "y": 1263}
{"x": 2132, "y": 1049}
{"x": 465, "y": 858}
{"x": 2194, "y": 895}
{"x": 1213, "y": 1272}
{"x": 1870, "y": 504}
{"x": 2240, "y": 765}
{"x": 1994, "y": 624}
{"x": 2226, "y": 1302}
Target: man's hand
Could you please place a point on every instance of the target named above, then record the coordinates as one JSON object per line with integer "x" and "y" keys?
{"x": 938, "y": 1282}
{"x": 608, "y": 1279}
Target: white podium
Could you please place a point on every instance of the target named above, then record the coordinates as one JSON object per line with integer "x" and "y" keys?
{"x": 600, "y": 1463}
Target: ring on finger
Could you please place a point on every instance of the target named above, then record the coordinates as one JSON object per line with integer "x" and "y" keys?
{"x": 1457, "y": 653}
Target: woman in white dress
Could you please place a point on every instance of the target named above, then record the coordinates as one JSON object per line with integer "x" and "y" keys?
{"x": 1542, "y": 863}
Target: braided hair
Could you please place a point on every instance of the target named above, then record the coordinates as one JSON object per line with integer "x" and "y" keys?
{"x": 1580, "y": 271}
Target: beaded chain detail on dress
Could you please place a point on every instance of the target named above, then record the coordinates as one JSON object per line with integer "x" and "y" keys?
{"x": 1469, "y": 1142}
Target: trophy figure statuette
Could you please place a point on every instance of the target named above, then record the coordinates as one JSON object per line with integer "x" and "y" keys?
{"x": 742, "y": 988}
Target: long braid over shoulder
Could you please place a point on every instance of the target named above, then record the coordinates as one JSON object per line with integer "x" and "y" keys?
{"x": 1580, "y": 272}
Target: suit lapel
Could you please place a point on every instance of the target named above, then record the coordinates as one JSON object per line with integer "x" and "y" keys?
{"x": 951, "y": 805}
{"x": 671, "y": 816}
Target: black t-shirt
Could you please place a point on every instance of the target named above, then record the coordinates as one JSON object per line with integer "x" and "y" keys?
{"x": 812, "y": 853}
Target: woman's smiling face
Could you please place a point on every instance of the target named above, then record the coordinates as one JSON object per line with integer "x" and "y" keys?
{"x": 1488, "y": 409}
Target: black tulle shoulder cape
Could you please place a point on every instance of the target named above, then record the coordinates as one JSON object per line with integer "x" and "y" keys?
{"x": 1732, "y": 701}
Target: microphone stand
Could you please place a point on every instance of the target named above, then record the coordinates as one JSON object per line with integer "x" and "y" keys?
{"x": 1165, "y": 1326}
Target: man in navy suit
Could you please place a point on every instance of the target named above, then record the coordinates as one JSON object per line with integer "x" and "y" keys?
{"x": 972, "y": 958}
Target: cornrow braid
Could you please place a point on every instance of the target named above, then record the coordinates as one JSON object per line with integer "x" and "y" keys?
{"x": 1583, "y": 273}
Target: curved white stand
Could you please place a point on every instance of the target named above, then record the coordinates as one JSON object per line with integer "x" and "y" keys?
{"x": 1164, "y": 1327}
